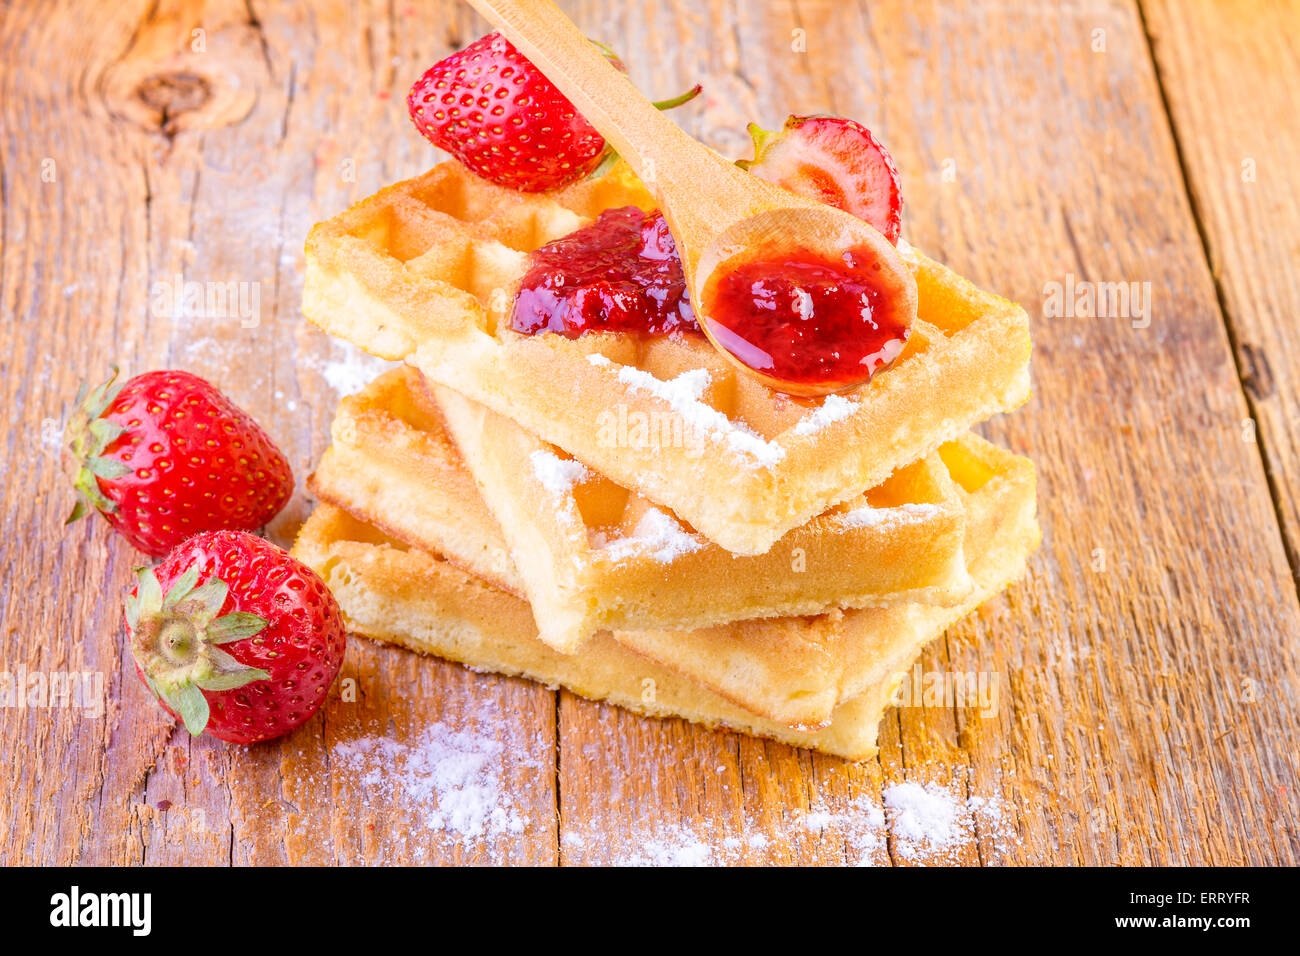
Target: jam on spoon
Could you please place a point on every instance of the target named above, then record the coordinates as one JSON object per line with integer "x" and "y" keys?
{"x": 807, "y": 324}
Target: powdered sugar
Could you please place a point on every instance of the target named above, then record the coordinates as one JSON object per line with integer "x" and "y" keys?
{"x": 453, "y": 778}
{"x": 907, "y": 252}
{"x": 457, "y": 782}
{"x": 52, "y": 433}
{"x": 671, "y": 846}
{"x": 557, "y": 475}
{"x": 932, "y": 823}
{"x": 862, "y": 825}
{"x": 683, "y": 395}
{"x": 835, "y": 408}
{"x": 657, "y": 536}
{"x": 866, "y": 516}
{"x": 919, "y": 823}
{"x": 353, "y": 370}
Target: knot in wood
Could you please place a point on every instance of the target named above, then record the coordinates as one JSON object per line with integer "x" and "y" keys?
{"x": 169, "y": 95}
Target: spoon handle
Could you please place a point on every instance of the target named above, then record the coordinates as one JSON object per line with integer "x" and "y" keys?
{"x": 655, "y": 147}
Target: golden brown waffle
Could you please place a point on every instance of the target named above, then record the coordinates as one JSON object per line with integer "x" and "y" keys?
{"x": 427, "y": 269}
{"x": 590, "y": 555}
{"x": 789, "y": 670}
{"x": 404, "y": 596}
{"x": 391, "y": 592}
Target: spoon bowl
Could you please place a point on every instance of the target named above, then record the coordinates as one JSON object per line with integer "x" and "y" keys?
{"x": 720, "y": 215}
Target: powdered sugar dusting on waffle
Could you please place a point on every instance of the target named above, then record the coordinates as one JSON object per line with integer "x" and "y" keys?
{"x": 835, "y": 408}
{"x": 866, "y": 516}
{"x": 657, "y": 535}
{"x": 557, "y": 475}
{"x": 683, "y": 395}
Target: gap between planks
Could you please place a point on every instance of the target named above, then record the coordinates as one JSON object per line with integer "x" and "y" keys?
{"x": 1271, "y": 475}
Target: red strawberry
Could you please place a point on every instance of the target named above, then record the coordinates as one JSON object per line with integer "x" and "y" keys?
{"x": 835, "y": 160}
{"x": 235, "y": 636}
{"x": 495, "y": 112}
{"x": 165, "y": 456}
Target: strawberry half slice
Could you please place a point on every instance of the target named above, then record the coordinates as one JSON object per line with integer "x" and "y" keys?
{"x": 835, "y": 160}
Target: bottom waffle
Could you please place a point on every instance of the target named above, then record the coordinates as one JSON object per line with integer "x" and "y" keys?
{"x": 403, "y": 596}
{"x": 392, "y": 592}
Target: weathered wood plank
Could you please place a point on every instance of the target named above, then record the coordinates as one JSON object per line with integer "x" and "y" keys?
{"x": 1229, "y": 73}
{"x": 1027, "y": 157}
{"x": 1122, "y": 737}
{"x": 202, "y": 141}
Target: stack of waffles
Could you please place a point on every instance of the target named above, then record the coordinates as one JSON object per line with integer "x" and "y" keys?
{"x": 632, "y": 518}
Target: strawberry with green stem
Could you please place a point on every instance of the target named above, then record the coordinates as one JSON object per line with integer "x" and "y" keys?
{"x": 235, "y": 636}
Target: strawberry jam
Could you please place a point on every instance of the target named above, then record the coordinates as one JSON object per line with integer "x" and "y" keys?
{"x": 817, "y": 325}
{"x": 621, "y": 273}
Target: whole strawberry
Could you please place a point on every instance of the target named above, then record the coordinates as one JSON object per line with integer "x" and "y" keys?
{"x": 835, "y": 160}
{"x": 165, "y": 456}
{"x": 492, "y": 109}
{"x": 235, "y": 636}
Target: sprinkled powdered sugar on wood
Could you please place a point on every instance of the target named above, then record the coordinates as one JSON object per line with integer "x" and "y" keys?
{"x": 924, "y": 824}
{"x": 835, "y": 408}
{"x": 457, "y": 784}
{"x": 931, "y": 823}
{"x": 657, "y": 535}
{"x": 557, "y": 475}
{"x": 452, "y": 779}
{"x": 683, "y": 395}
{"x": 52, "y": 433}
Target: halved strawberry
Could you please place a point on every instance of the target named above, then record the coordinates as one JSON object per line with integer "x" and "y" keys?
{"x": 835, "y": 160}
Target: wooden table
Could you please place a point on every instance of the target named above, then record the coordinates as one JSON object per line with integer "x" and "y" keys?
{"x": 1148, "y": 667}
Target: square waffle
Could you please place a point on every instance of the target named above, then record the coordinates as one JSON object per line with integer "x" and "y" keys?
{"x": 392, "y": 592}
{"x": 790, "y": 670}
{"x": 426, "y": 270}
{"x": 399, "y": 595}
{"x": 590, "y": 555}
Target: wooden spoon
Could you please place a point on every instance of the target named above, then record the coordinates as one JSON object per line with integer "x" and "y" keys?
{"x": 716, "y": 211}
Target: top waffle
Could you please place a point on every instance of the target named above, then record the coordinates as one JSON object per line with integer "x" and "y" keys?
{"x": 427, "y": 270}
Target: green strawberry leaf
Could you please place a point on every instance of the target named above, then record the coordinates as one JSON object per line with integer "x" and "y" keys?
{"x": 133, "y": 611}
{"x": 148, "y": 589}
{"x": 107, "y": 468}
{"x": 675, "y": 101}
{"x": 89, "y": 495}
{"x": 188, "y": 701}
{"x": 230, "y": 681}
{"x": 105, "y": 432}
{"x": 182, "y": 587}
{"x": 234, "y": 626}
{"x": 205, "y": 600}
{"x": 228, "y": 673}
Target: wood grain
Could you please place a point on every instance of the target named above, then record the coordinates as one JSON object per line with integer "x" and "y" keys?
{"x": 1148, "y": 674}
{"x": 1240, "y": 149}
